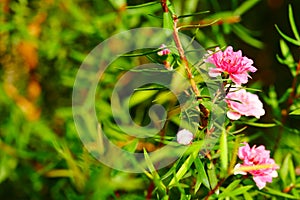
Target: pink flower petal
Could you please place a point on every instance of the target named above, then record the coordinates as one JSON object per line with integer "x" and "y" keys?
{"x": 258, "y": 156}
{"x": 233, "y": 115}
{"x": 244, "y": 103}
{"x": 233, "y": 63}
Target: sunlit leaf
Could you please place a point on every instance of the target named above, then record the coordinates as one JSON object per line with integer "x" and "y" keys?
{"x": 295, "y": 112}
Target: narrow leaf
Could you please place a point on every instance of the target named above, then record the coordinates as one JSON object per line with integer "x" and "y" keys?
{"x": 278, "y": 193}
{"x": 240, "y": 190}
{"x": 287, "y": 38}
{"x": 246, "y": 37}
{"x": 202, "y": 176}
{"x": 167, "y": 20}
{"x": 142, "y": 5}
{"x": 244, "y": 7}
{"x": 287, "y": 57}
{"x": 247, "y": 196}
{"x": 184, "y": 168}
{"x": 224, "y": 151}
{"x": 193, "y": 14}
{"x": 292, "y": 171}
{"x": 293, "y": 24}
{"x": 261, "y": 125}
{"x": 211, "y": 171}
{"x": 295, "y": 112}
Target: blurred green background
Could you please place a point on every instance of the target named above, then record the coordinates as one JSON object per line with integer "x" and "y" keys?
{"x": 42, "y": 44}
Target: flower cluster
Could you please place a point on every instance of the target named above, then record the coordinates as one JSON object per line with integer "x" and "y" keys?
{"x": 257, "y": 162}
{"x": 236, "y": 67}
{"x": 232, "y": 63}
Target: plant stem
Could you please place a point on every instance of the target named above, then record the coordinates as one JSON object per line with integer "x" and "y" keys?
{"x": 215, "y": 189}
{"x": 204, "y": 112}
{"x": 164, "y": 5}
{"x": 184, "y": 59}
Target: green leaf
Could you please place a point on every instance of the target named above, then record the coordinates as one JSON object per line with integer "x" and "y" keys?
{"x": 287, "y": 57}
{"x": 287, "y": 38}
{"x": 240, "y": 190}
{"x": 211, "y": 172}
{"x": 156, "y": 178}
{"x": 202, "y": 176}
{"x": 285, "y": 96}
{"x": 170, "y": 7}
{"x": 224, "y": 151}
{"x": 142, "y": 5}
{"x": 229, "y": 188}
{"x": 131, "y": 147}
{"x": 193, "y": 14}
{"x": 284, "y": 168}
{"x": 139, "y": 97}
{"x": 292, "y": 171}
{"x": 261, "y": 125}
{"x": 247, "y": 196}
{"x": 244, "y": 7}
{"x": 239, "y": 31}
{"x": 184, "y": 168}
{"x": 295, "y": 112}
{"x": 293, "y": 24}
{"x": 167, "y": 20}
{"x": 268, "y": 190}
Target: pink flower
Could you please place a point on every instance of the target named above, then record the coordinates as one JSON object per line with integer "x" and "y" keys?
{"x": 164, "y": 51}
{"x": 233, "y": 63}
{"x": 245, "y": 103}
{"x": 184, "y": 137}
{"x": 257, "y": 162}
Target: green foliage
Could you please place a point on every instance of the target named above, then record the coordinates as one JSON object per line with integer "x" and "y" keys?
{"x": 41, "y": 156}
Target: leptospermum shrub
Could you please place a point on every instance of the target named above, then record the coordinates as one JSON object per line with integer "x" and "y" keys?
{"x": 239, "y": 138}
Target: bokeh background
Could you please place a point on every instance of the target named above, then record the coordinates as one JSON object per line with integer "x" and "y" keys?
{"x": 42, "y": 45}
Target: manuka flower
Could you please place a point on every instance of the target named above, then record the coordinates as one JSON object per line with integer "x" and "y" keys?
{"x": 231, "y": 63}
{"x": 244, "y": 103}
{"x": 257, "y": 162}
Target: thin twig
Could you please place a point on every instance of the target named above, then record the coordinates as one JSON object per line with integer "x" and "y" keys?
{"x": 215, "y": 189}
